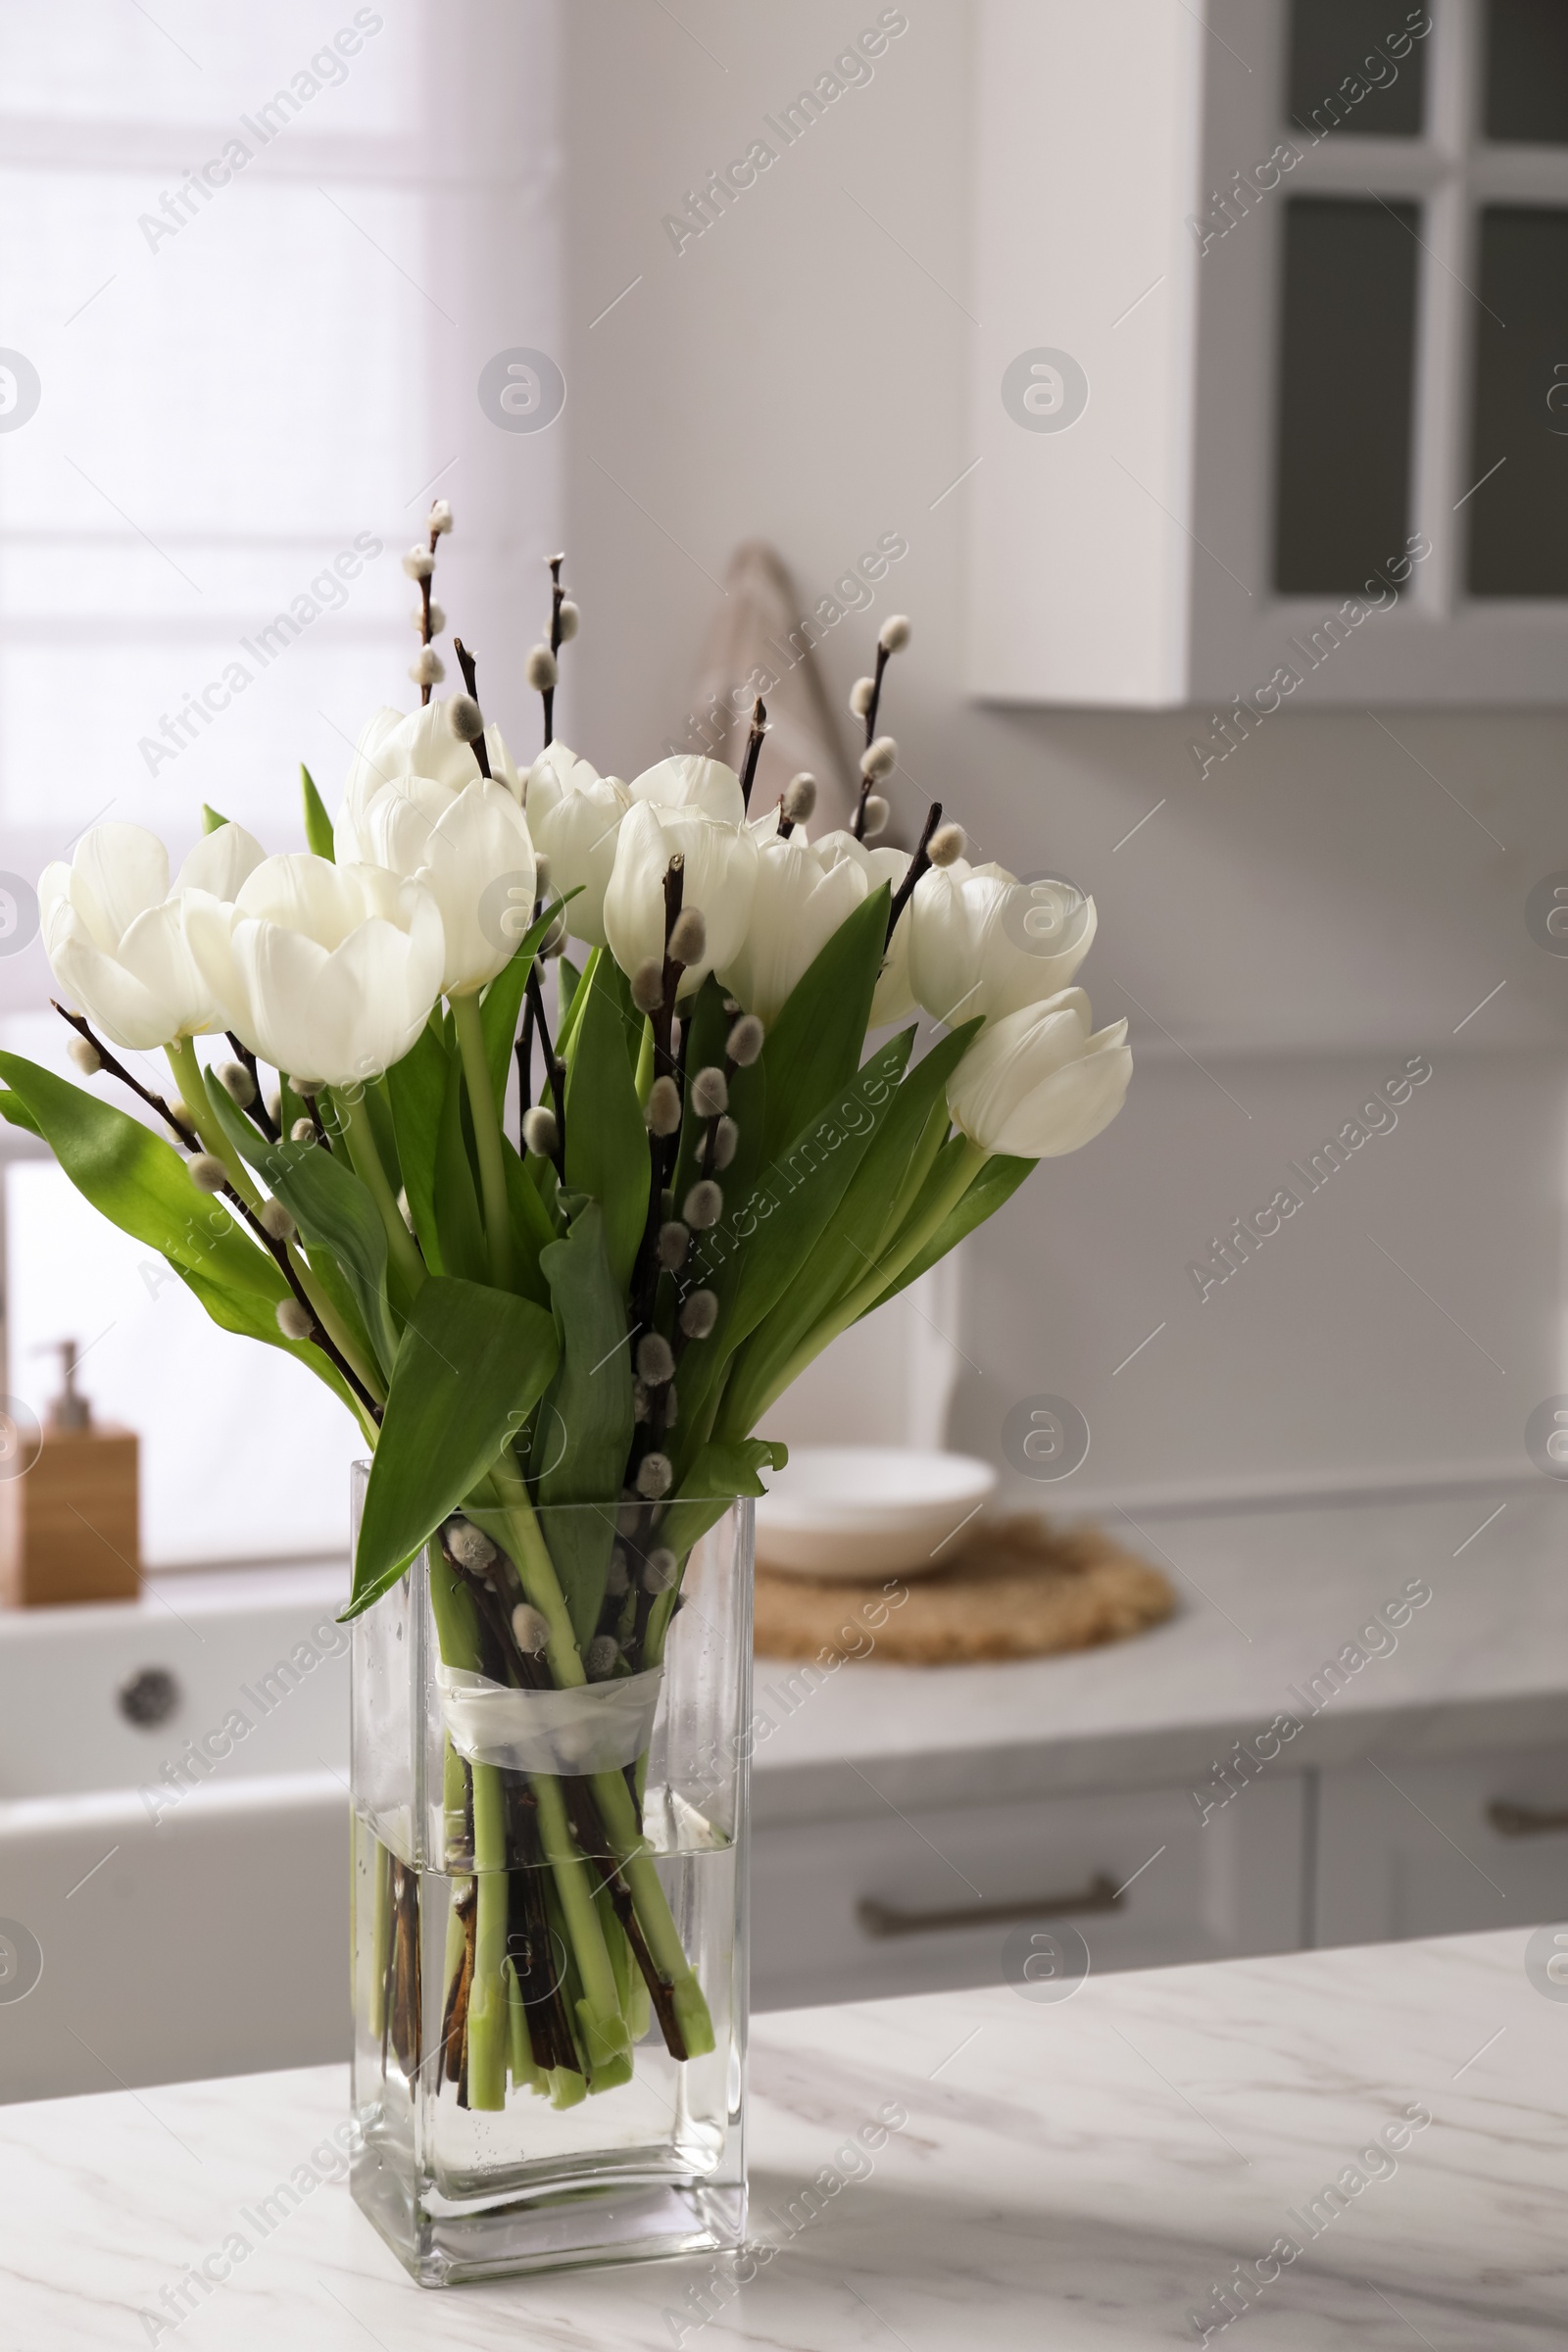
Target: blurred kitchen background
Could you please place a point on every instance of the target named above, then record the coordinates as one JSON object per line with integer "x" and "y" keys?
{"x": 240, "y": 377}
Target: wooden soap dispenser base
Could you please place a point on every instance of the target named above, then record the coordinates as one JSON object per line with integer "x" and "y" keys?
{"x": 69, "y": 1515}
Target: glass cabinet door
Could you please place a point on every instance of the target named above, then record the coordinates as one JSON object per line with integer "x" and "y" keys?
{"x": 1354, "y": 385}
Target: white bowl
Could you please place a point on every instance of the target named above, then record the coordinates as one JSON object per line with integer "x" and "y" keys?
{"x": 845, "y": 1512}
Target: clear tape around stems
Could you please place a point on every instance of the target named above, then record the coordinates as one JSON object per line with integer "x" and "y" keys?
{"x": 597, "y": 1726}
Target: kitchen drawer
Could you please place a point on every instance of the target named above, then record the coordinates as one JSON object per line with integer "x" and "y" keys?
{"x": 897, "y": 1903}
{"x": 1410, "y": 1849}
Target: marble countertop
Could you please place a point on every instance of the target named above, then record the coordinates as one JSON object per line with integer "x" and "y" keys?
{"x": 1266, "y": 1598}
{"x": 1084, "y": 2173}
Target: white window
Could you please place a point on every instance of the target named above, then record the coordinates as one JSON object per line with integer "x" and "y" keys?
{"x": 1304, "y": 258}
{"x": 256, "y": 261}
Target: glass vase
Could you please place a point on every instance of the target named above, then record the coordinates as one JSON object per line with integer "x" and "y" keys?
{"x": 549, "y": 1900}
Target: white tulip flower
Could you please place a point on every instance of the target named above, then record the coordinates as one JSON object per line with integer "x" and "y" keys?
{"x": 894, "y": 1000}
{"x": 689, "y": 781}
{"x": 1037, "y": 1083}
{"x": 417, "y": 805}
{"x": 721, "y": 874}
{"x": 574, "y": 813}
{"x": 982, "y": 941}
{"x": 114, "y": 932}
{"x": 472, "y": 851}
{"x": 396, "y": 744}
{"x": 797, "y": 904}
{"x": 326, "y": 971}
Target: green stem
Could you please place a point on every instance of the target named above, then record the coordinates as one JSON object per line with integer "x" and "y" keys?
{"x": 486, "y": 1136}
{"x": 644, "y": 1063}
{"x": 526, "y": 2073}
{"x": 489, "y": 2007}
{"x": 380, "y": 1930}
{"x": 191, "y": 1080}
{"x": 336, "y": 1330}
{"x": 354, "y": 1125}
{"x": 530, "y": 1552}
{"x": 632, "y": 1852}
{"x": 604, "y": 2027}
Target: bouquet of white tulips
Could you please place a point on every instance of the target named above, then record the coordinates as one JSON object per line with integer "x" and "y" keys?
{"x": 666, "y": 995}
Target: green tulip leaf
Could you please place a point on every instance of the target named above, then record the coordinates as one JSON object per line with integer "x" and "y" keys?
{"x": 317, "y": 825}
{"x": 568, "y": 1011}
{"x": 502, "y": 1002}
{"x": 606, "y": 1141}
{"x": 377, "y": 1102}
{"x": 211, "y": 823}
{"x": 141, "y": 1184}
{"x": 341, "y": 1295}
{"x": 457, "y": 1200}
{"x": 813, "y": 1047}
{"x": 582, "y": 1438}
{"x": 719, "y": 1475}
{"x": 14, "y": 1110}
{"x": 471, "y": 1364}
{"x": 848, "y": 1246}
{"x": 532, "y": 1227}
{"x": 994, "y": 1184}
{"x": 768, "y": 1231}
{"x": 291, "y": 1107}
{"x": 709, "y": 1026}
{"x": 331, "y": 1207}
{"x": 417, "y": 1087}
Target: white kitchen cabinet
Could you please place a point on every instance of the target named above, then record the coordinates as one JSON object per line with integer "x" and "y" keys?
{"x": 212, "y": 1942}
{"x": 897, "y": 1901}
{"x": 1270, "y": 388}
{"x": 1415, "y": 1848}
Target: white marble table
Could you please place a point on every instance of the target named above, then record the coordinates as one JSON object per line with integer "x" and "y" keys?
{"x": 1083, "y": 2174}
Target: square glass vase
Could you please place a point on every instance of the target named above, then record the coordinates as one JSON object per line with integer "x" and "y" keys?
{"x": 550, "y": 1896}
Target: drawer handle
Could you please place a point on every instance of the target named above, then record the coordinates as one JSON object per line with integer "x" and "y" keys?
{"x": 885, "y": 1919}
{"x": 1523, "y": 1821}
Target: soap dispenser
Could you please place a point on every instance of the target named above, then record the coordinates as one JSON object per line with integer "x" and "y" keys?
{"x": 69, "y": 1509}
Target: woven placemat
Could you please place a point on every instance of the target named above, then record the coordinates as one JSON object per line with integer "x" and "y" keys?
{"x": 1023, "y": 1589}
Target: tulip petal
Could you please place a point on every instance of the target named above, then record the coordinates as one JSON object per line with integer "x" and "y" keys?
{"x": 220, "y": 863}
{"x": 398, "y": 750}
{"x": 156, "y": 951}
{"x": 117, "y": 873}
{"x": 278, "y": 972}
{"x": 480, "y": 841}
{"x": 210, "y": 935}
{"x": 1036, "y": 1084}
{"x": 1071, "y": 1108}
{"x": 689, "y": 781}
{"x": 120, "y": 1006}
{"x": 576, "y": 828}
{"x": 797, "y": 904}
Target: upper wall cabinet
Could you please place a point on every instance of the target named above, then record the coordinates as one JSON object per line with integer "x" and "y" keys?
{"x": 1272, "y": 394}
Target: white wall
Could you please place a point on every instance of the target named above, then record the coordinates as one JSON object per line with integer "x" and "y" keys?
{"x": 1317, "y": 908}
